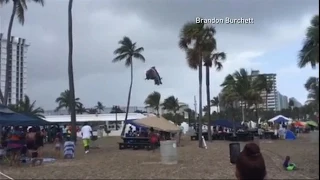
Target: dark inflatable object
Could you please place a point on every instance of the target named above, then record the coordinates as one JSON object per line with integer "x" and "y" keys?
{"x": 152, "y": 74}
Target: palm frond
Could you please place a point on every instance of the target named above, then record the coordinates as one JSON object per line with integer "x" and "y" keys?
{"x": 139, "y": 56}
{"x": 193, "y": 58}
{"x": 120, "y": 57}
{"x": 20, "y": 11}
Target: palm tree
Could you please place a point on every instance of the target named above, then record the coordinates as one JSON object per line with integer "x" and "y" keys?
{"x": 100, "y": 107}
{"x": 245, "y": 87}
{"x": 80, "y": 109}
{"x": 153, "y": 101}
{"x": 309, "y": 54}
{"x": 291, "y": 106}
{"x": 18, "y": 8}
{"x": 64, "y": 101}
{"x": 72, "y": 98}
{"x": 230, "y": 97}
{"x": 127, "y": 51}
{"x": 215, "y": 102}
{"x": 26, "y": 107}
{"x": 202, "y": 42}
{"x": 92, "y": 111}
{"x": 116, "y": 109}
{"x": 171, "y": 104}
{"x": 209, "y": 60}
{"x": 312, "y": 86}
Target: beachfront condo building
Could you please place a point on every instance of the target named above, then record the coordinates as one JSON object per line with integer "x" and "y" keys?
{"x": 18, "y": 67}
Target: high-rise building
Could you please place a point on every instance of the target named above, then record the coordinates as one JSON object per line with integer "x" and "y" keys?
{"x": 18, "y": 68}
{"x": 296, "y": 103}
{"x": 270, "y": 100}
{"x": 283, "y": 102}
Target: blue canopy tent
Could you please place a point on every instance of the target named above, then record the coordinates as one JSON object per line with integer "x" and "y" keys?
{"x": 226, "y": 123}
{"x": 11, "y": 118}
{"x": 281, "y": 120}
{"x": 131, "y": 121}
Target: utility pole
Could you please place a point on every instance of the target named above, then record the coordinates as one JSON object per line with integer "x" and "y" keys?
{"x": 242, "y": 111}
{"x": 195, "y": 108}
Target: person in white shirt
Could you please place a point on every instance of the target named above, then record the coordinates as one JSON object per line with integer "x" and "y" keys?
{"x": 86, "y": 132}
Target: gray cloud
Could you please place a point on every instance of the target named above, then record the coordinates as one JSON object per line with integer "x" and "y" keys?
{"x": 155, "y": 25}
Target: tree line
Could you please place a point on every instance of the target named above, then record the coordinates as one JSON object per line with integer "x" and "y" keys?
{"x": 198, "y": 42}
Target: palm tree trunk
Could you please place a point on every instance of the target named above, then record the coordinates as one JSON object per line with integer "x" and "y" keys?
{"x": 257, "y": 113}
{"x": 208, "y": 103}
{"x": 200, "y": 102}
{"x": 233, "y": 121}
{"x": 129, "y": 98}
{"x": 70, "y": 73}
{"x": 267, "y": 101}
{"x": 9, "y": 55}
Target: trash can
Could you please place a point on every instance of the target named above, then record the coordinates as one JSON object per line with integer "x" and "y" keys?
{"x": 234, "y": 149}
{"x": 168, "y": 151}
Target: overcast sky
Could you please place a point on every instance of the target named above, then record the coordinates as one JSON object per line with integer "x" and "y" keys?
{"x": 270, "y": 45}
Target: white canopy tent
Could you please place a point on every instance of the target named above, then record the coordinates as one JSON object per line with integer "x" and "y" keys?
{"x": 280, "y": 116}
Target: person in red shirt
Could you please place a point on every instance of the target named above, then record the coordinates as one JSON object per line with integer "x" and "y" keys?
{"x": 153, "y": 138}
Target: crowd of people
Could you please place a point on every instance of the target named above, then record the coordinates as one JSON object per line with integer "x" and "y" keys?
{"x": 20, "y": 143}
{"x": 23, "y": 141}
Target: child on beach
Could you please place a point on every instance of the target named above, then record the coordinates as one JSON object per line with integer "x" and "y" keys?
{"x": 57, "y": 146}
{"x": 287, "y": 165}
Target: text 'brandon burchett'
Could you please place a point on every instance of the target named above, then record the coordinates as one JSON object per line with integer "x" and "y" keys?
{"x": 226, "y": 20}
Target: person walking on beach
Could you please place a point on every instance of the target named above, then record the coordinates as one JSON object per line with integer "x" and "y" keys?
{"x": 86, "y": 132}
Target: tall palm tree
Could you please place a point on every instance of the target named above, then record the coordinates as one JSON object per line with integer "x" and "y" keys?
{"x": 153, "y": 101}
{"x": 100, "y": 107}
{"x": 247, "y": 88}
{"x": 312, "y": 86}
{"x": 230, "y": 97}
{"x": 27, "y": 107}
{"x": 18, "y": 8}
{"x": 215, "y": 102}
{"x": 171, "y": 104}
{"x": 127, "y": 51}
{"x": 209, "y": 61}
{"x": 64, "y": 101}
{"x": 197, "y": 40}
{"x": 309, "y": 54}
{"x": 72, "y": 98}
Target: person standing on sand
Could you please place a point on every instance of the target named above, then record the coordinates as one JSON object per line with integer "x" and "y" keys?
{"x": 86, "y": 132}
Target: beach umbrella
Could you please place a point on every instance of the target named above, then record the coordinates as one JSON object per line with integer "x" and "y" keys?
{"x": 312, "y": 123}
{"x": 299, "y": 123}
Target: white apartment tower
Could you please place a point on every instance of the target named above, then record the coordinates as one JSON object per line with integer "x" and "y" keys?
{"x": 272, "y": 97}
{"x": 18, "y": 68}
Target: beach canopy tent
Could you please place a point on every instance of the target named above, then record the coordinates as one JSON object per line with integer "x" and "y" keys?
{"x": 280, "y": 119}
{"x": 11, "y": 118}
{"x": 290, "y": 135}
{"x": 226, "y": 123}
{"x": 299, "y": 124}
{"x": 158, "y": 123}
{"x": 137, "y": 126}
{"x": 312, "y": 123}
